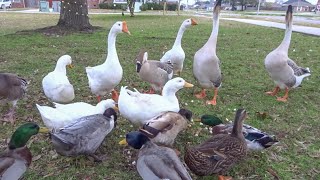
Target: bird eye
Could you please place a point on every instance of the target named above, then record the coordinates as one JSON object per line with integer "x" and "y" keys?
{"x": 119, "y": 24}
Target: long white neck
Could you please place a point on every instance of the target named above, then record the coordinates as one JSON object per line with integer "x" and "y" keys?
{"x": 61, "y": 67}
{"x": 284, "y": 46}
{"x": 112, "y": 51}
{"x": 215, "y": 29}
{"x": 177, "y": 42}
{"x": 169, "y": 92}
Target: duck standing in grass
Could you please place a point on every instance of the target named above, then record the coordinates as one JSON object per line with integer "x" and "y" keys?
{"x": 176, "y": 54}
{"x": 218, "y": 154}
{"x": 12, "y": 88}
{"x": 85, "y": 135}
{"x": 138, "y": 107}
{"x": 255, "y": 138}
{"x": 156, "y": 162}
{"x": 154, "y": 72}
{"x": 105, "y": 77}
{"x": 206, "y": 64}
{"x": 283, "y": 71}
{"x": 56, "y": 85}
{"x": 17, "y": 158}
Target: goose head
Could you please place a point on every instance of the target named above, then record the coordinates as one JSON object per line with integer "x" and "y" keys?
{"x": 189, "y": 22}
{"x": 105, "y": 104}
{"x": 64, "y": 61}
{"x": 141, "y": 59}
{"x": 120, "y": 27}
{"x": 175, "y": 84}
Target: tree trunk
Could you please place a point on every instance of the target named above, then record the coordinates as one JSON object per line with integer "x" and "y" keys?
{"x": 74, "y": 15}
{"x": 131, "y": 4}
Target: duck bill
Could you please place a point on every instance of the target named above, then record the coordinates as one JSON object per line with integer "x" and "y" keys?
{"x": 193, "y": 22}
{"x": 138, "y": 66}
{"x": 125, "y": 28}
{"x": 188, "y": 85}
{"x": 44, "y": 130}
{"x": 70, "y": 66}
{"x": 123, "y": 142}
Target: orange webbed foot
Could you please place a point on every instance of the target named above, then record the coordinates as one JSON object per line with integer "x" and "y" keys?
{"x": 115, "y": 95}
{"x": 201, "y": 95}
{"x": 224, "y": 177}
{"x": 281, "y": 99}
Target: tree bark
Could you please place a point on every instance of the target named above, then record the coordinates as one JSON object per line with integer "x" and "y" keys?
{"x": 74, "y": 15}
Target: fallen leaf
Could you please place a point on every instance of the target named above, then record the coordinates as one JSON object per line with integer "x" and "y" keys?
{"x": 273, "y": 173}
{"x": 35, "y": 158}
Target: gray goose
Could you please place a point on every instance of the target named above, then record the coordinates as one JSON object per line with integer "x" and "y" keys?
{"x": 154, "y": 72}
{"x": 12, "y": 88}
{"x": 282, "y": 70}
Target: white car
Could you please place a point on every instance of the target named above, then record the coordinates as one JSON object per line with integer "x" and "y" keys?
{"x": 5, "y": 4}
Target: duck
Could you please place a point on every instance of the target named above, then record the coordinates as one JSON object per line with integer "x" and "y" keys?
{"x": 12, "y": 88}
{"x": 206, "y": 64}
{"x": 105, "y": 77}
{"x": 220, "y": 152}
{"x": 255, "y": 138}
{"x": 56, "y": 85}
{"x": 155, "y": 162}
{"x": 138, "y": 107}
{"x": 16, "y": 159}
{"x": 176, "y": 54}
{"x": 285, "y": 73}
{"x": 154, "y": 72}
{"x": 64, "y": 114}
{"x": 85, "y": 135}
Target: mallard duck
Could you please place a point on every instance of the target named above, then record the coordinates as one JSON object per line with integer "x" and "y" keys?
{"x": 255, "y": 138}
{"x": 156, "y": 162}
{"x": 219, "y": 153}
{"x": 12, "y": 88}
{"x": 138, "y": 107}
{"x": 85, "y": 135}
{"x": 17, "y": 158}
{"x": 154, "y": 72}
{"x": 206, "y": 64}
{"x": 176, "y": 54}
{"x": 282, "y": 70}
{"x": 105, "y": 77}
{"x": 62, "y": 115}
{"x": 56, "y": 85}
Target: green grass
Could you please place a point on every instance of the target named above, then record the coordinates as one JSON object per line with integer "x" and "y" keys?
{"x": 241, "y": 49}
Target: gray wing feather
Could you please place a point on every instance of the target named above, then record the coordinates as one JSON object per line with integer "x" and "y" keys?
{"x": 298, "y": 71}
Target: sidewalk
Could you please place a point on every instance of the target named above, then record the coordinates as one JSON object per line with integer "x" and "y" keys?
{"x": 302, "y": 29}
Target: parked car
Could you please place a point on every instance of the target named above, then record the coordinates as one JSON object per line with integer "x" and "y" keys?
{"x": 5, "y": 4}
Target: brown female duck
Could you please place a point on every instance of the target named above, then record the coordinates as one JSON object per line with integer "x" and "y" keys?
{"x": 218, "y": 154}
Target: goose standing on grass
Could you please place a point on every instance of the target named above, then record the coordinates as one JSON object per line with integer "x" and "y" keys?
{"x": 154, "y": 72}
{"x": 176, "y": 54}
{"x": 15, "y": 161}
{"x": 64, "y": 114}
{"x": 105, "y": 77}
{"x": 56, "y": 85}
{"x": 12, "y": 88}
{"x": 206, "y": 64}
{"x": 138, "y": 107}
{"x": 156, "y": 162}
{"x": 282, "y": 70}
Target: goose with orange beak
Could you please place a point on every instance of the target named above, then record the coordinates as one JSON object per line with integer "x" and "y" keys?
{"x": 105, "y": 77}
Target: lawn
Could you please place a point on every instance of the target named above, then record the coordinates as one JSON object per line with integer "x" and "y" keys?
{"x": 241, "y": 49}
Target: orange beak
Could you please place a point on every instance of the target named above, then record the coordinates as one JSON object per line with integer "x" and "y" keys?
{"x": 125, "y": 28}
{"x": 193, "y": 22}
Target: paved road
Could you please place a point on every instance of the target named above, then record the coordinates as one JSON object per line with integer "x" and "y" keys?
{"x": 302, "y": 29}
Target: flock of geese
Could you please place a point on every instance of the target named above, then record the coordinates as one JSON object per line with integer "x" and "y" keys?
{"x": 80, "y": 128}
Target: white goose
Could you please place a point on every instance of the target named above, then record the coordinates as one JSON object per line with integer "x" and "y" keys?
{"x": 206, "y": 65}
{"x": 105, "y": 77}
{"x": 138, "y": 108}
{"x": 176, "y": 54}
{"x": 56, "y": 85}
{"x": 64, "y": 114}
{"x": 282, "y": 70}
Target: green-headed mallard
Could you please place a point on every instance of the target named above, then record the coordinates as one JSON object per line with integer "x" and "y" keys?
{"x": 17, "y": 158}
{"x": 56, "y": 85}
{"x": 138, "y": 107}
{"x": 176, "y": 54}
{"x": 218, "y": 154}
{"x": 255, "y": 138}
{"x": 156, "y": 162}
{"x": 12, "y": 88}
{"x": 282, "y": 70}
{"x": 85, "y": 135}
{"x": 206, "y": 64}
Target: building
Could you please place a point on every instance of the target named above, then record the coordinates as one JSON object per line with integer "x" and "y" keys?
{"x": 299, "y": 5}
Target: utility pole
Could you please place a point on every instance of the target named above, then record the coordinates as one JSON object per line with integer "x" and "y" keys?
{"x": 258, "y": 7}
